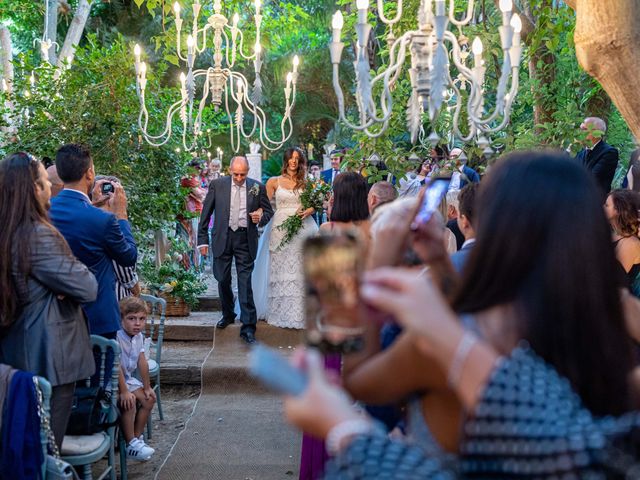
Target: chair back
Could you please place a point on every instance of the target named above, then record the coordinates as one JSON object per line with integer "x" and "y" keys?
{"x": 109, "y": 368}
{"x": 155, "y": 325}
{"x": 45, "y": 388}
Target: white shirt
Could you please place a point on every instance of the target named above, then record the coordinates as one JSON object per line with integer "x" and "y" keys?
{"x": 471, "y": 241}
{"x": 130, "y": 350}
{"x": 242, "y": 216}
{"x": 456, "y": 179}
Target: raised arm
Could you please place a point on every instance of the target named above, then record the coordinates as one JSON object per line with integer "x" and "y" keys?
{"x": 119, "y": 243}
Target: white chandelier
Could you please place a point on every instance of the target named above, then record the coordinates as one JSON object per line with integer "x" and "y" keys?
{"x": 220, "y": 84}
{"x": 431, "y": 47}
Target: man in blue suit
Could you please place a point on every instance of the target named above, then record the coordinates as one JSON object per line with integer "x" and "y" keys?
{"x": 329, "y": 175}
{"x": 96, "y": 236}
{"x": 463, "y": 173}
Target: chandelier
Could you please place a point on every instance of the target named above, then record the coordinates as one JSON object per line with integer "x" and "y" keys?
{"x": 218, "y": 85}
{"x": 431, "y": 48}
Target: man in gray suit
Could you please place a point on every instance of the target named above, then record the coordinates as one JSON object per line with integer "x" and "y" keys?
{"x": 240, "y": 204}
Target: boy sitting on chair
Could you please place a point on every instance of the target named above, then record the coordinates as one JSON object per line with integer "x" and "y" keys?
{"x": 137, "y": 398}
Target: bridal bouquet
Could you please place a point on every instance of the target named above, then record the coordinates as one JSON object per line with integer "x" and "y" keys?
{"x": 315, "y": 193}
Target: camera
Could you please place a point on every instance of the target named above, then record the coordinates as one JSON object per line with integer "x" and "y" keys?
{"x": 107, "y": 188}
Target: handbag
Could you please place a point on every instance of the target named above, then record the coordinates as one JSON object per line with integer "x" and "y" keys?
{"x": 90, "y": 405}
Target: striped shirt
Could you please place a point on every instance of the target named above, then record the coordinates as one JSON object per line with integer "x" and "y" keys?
{"x": 126, "y": 279}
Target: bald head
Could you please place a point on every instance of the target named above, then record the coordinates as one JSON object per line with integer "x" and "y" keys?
{"x": 239, "y": 170}
{"x": 56, "y": 183}
{"x": 381, "y": 193}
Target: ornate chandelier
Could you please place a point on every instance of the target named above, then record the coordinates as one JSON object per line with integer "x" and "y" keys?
{"x": 219, "y": 85}
{"x": 431, "y": 48}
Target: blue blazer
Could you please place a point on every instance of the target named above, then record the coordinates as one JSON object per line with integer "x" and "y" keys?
{"x": 96, "y": 238}
{"x": 469, "y": 175}
{"x": 327, "y": 175}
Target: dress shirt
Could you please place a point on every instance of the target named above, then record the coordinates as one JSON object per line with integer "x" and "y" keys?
{"x": 334, "y": 174}
{"x": 469, "y": 242}
{"x": 242, "y": 214}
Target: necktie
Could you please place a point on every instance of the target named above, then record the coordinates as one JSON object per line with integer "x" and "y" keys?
{"x": 335, "y": 172}
{"x": 235, "y": 209}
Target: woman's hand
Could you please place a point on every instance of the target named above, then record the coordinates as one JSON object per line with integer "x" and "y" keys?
{"x": 411, "y": 298}
{"x": 428, "y": 240}
{"x": 322, "y": 406}
{"x": 302, "y": 213}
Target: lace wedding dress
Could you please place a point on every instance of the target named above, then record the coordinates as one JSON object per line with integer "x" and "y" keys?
{"x": 286, "y": 283}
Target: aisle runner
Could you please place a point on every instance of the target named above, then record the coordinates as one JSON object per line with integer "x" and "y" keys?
{"x": 237, "y": 431}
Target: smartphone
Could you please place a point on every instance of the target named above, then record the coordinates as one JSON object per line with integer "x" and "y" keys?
{"x": 333, "y": 264}
{"x": 433, "y": 195}
{"x": 272, "y": 369}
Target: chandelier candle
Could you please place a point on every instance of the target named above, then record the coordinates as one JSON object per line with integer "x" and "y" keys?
{"x": 220, "y": 84}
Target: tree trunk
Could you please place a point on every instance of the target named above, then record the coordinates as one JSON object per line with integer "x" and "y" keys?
{"x": 6, "y": 57}
{"x": 542, "y": 69}
{"x": 607, "y": 38}
{"x": 75, "y": 32}
{"x": 51, "y": 29}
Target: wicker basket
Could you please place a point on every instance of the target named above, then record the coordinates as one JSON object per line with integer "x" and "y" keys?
{"x": 176, "y": 307}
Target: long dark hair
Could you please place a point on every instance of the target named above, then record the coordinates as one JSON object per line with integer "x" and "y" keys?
{"x": 544, "y": 246}
{"x": 20, "y": 209}
{"x": 626, "y": 204}
{"x": 634, "y": 166}
{"x": 349, "y": 198}
{"x": 301, "y": 174}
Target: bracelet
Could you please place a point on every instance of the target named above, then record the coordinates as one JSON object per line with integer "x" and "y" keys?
{"x": 462, "y": 352}
{"x": 341, "y": 431}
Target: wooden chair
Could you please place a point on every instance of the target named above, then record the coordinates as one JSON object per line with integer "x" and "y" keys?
{"x": 155, "y": 333}
{"x": 84, "y": 450}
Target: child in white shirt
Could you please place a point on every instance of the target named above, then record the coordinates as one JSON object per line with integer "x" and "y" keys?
{"x": 136, "y": 398}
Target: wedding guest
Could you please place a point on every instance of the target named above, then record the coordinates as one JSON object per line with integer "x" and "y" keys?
{"x": 97, "y": 237}
{"x": 136, "y": 397}
{"x": 348, "y": 206}
{"x": 56, "y": 183}
{"x": 466, "y": 222}
{"x": 314, "y": 171}
{"x": 42, "y": 327}
{"x": 600, "y": 158}
{"x": 632, "y": 178}
{"x": 330, "y": 174}
{"x": 462, "y": 174}
{"x": 453, "y": 213}
{"x": 380, "y": 193}
{"x": 517, "y": 286}
{"x": 622, "y": 208}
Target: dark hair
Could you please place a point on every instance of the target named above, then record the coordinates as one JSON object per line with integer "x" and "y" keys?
{"x": 20, "y": 210}
{"x": 132, "y": 305}
{"x": 47, "y": 162}
{"x": 301, "y": 174}
{"x": 467, "y": 202}
{"x": 72, "y": 162}
{"x": 349, "y": 198}
{"x": 634, "y": 167}
{"x": 626, "y": 204}
{"x": 313, "y": 164}
{"x": 442, "y": 153}
{"x": 544, "y": 246}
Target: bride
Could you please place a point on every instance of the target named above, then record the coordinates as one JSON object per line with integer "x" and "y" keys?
{"x": 285, "y": 295}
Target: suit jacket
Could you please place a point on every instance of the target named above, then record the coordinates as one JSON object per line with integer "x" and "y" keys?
{"x": 49, "y": 336}
{"x": 327, "y": 176}
{"x": 602, "y": 161}
{"x": 459, "y": 258}
{"x": 96, "y": 238}
{"x": 218, "y": 201}
{"x": 468, "y": 175}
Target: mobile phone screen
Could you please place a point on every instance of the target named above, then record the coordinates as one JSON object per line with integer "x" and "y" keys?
{"x": 432, "y": 198}
{"x": 332, "y": 268}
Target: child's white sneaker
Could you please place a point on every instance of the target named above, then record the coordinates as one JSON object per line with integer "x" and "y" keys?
{"x": 137, "y": 450}
{"x": 141, "y": 438}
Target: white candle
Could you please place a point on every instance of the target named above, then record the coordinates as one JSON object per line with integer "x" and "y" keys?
{"x": 296, "y": 62}
{"x": 336, "y": 23}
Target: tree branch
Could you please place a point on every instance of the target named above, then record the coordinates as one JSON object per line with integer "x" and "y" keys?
{"x": 6, "y": 56}
{"x": 75, "y": 32}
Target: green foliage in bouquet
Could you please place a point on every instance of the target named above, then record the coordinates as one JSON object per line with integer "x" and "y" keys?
{"x": 315, "y": 193}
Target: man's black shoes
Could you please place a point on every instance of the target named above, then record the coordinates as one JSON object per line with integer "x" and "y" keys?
{"x": 224, "y": 323}
{"x": 248, "y": 337}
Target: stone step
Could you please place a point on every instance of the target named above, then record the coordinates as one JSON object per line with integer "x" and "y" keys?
{"x": 182, "y": 360}
{"x": 208, "y": 303}
{"x": 196, "y": 327}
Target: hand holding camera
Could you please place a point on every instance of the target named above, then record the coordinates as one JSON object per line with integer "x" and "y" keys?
{"x": 110, "y": 196}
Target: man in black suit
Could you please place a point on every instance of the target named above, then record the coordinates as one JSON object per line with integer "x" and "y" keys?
{"x": 600, "y": 157}
{"x": 240, "y": 204}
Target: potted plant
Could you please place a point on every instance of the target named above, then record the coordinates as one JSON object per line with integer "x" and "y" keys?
{"x": 180, "y": 287}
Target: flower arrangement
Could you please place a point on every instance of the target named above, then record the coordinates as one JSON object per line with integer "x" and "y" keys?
{"x": 173, "y": 279}
{"x": 315, "y": 193}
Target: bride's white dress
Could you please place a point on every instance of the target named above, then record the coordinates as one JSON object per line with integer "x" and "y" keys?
{"x": 285, "y": 294}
